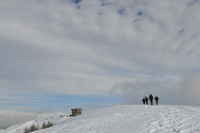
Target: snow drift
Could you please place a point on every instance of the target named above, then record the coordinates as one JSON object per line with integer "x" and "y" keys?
{"x": 126, "y": 119}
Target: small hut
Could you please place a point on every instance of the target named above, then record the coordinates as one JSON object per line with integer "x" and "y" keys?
{"x": 76, "y": 111}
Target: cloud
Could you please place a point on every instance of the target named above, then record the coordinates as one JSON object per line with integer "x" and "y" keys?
{"x": 10, "y": 118}
{"x": 190, "y": 89}
{"x": 54, "y": 47}
{"x": 180, "y": 91}
{"x": 133, "y": 92}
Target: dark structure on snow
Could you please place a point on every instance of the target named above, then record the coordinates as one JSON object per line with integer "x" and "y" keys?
{"x": 76, "y": 111}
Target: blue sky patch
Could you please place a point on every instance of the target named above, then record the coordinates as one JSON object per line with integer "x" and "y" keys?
{"x": 181, "y": 30}
{"x": 192, "y": 3}
{"x": 59, "y": 101}
{"x": 104, "y": 4}
{"x": 139, "y": 13}
{"x": 76, "y": 1}
{"x": 121, "y": 11}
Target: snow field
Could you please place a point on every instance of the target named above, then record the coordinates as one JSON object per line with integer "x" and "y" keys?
{"x": 129, "y": 119}
{"x": 133, "y": 119}
{"x": 19, "y": 128}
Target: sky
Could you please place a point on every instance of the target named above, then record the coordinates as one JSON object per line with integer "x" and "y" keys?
{"x": 59, "y": 54}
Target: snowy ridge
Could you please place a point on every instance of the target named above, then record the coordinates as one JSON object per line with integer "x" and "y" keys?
{"x": 129, "y": 119}
{"x": 19, "y": 128}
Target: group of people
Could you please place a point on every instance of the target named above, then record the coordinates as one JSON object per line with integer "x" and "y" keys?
{"x": 145, "y": 100}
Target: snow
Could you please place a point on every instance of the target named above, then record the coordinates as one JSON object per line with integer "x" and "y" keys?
{"x": 126, "y": 119}
{"x": 19, "y": 128}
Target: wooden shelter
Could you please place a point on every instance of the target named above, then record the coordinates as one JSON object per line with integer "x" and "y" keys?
{"x": 76, "y": 111}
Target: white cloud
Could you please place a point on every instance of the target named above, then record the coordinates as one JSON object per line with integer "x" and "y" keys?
{"x": 167, "y": 90}
{"x": 10, "y": 118}
{"x": 190, "y": 89}
{"x": 52, "y": 46}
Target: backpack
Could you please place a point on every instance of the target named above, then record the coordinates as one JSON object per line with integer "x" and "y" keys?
{"x": 157, "y": 98}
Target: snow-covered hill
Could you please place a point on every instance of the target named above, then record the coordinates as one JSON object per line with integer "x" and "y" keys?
{"x": 126, "y": 119}
{"x": 19, "y": 128}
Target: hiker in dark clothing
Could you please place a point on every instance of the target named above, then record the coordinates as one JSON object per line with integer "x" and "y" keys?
{"x": 146, "y": 100}
{"x": 156, "y": 98}
{"x": 143, "y": 100}
{"x": 151, "y": 99}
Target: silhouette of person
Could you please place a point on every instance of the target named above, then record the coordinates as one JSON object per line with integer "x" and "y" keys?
{"x": 151, "y": 99}
{"x": 156, "y": 98}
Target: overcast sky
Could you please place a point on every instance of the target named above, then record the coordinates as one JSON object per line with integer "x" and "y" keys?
{"x": 59, "y": 54}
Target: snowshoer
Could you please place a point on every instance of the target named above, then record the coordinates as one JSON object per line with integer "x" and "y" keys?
{"x": 146, "y": 100}
{"x": 143, "y": 100}
{"x": 156, "y": 98}
{"x": 151, "y": 99}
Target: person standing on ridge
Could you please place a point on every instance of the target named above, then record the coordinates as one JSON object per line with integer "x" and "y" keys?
{"x": 151, "y": 99}
{"x": 156, "y": 98}
{"x": 143, "y": 100}
{"x": 146, "y": 100}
